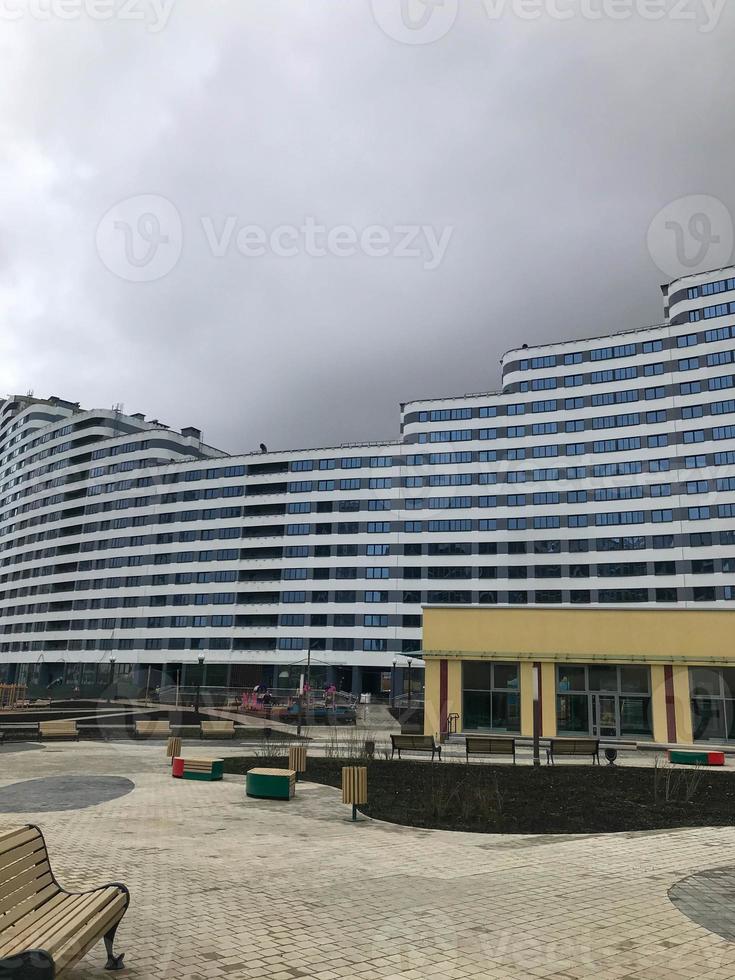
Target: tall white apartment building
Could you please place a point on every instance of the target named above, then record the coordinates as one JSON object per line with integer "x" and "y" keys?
{"x": 602, "y": 473}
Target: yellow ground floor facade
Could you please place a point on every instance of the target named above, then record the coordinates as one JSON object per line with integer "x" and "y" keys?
{"x": 665, "y": 676}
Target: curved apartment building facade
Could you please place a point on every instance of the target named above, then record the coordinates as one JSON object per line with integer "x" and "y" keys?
{"x": 603, "y": 473}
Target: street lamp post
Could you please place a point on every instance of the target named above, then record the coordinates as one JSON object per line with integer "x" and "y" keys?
{"x": 111, "y": 693}
{"x": 200, "y": 658}
{"x": 409, "y": 681}
{"x": 536, "y": 717}
{"x": 393, "y": 684}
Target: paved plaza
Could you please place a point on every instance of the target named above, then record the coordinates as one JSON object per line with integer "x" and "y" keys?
{"x": 227, "y": 887}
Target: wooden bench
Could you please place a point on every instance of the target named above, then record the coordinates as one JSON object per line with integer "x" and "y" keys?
{"x": 490, "y": 745}
{"x": 58, "y": 729}
{"x": 271, "y": 784}
{"x": 208, "y": 770}
{"x": 43, "y": 928}
{"x": 217, "y": 729}
{"x": 160, "y": 729}
{"x": 573, "y": 746}
{"x": 415, "y": 743}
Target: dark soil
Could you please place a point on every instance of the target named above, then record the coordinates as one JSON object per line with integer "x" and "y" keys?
{"x": 573, "y": 799}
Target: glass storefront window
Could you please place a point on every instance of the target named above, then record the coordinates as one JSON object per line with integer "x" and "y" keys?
{"x": 603, "y": 677}
{"x": 476, "y": 675}
{"x": 490, "y": 696}
{"x": 598, "y": 699}
{"x": 712, "y": 693}
{"x": 572, "y": 714}
{"x": 635, "y": 680}
{"x": 571, "y": 678}
{"x": 635, "y": 716}
{"x": 505, "y": 676}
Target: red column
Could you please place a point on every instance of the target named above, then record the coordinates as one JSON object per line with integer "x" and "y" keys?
{"x": 670, "y": 703}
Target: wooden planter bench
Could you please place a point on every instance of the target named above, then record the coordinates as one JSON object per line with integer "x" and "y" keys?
{"x": 58, "y": 729}
{"x": 573, "y": 746}
{"x": 152, "y": 729}
{"x": 43, "y": 928}
{"x": 415, "y": 743}
{"x": 217, "y": 729}
{"x": 490, "y": 745}
{"x": 271, "y": 784}
{"x": 208, "y": 770}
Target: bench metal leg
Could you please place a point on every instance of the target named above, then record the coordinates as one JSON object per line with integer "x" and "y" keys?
{"x": 33, "y": 964}
{"x": 113, "y": 962}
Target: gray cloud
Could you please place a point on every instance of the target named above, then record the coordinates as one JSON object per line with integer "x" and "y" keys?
{"x": 548, "y": 146}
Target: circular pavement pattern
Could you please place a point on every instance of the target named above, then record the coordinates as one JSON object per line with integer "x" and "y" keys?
{"x": 708, "y": 898}
{"x": 54, "y": 793}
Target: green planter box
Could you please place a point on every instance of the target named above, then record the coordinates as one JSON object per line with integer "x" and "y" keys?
{"x": 690, "y": 758}
{"x": 271, "y": 784}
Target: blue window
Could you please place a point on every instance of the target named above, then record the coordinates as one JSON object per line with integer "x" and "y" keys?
{"x": 653, "y": 393}
{"x": 541, "y": 523}
{"x": 649, "y": 370}
{"x": 695, "y": 435}
{"x": 651, "y": 346}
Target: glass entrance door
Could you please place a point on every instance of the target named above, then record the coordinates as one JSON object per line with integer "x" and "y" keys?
{"x": 604, "y": 712}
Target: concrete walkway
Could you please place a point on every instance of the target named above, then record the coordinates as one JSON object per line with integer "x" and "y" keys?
{"x": 228, "y": 887}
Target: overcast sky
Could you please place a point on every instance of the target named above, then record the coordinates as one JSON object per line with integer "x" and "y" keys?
{"x": 535, "y": 152}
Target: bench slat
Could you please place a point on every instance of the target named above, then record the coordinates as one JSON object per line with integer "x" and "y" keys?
{"x": 83, "y": 920}
{"x": 37, "y": 922}
{"x": 48, "y": 895}
{"x": 18, "y": 835}
{"x": 31, "y": 882}
{"x": 54, "y": 931}
{"x": 76, "y": 948}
